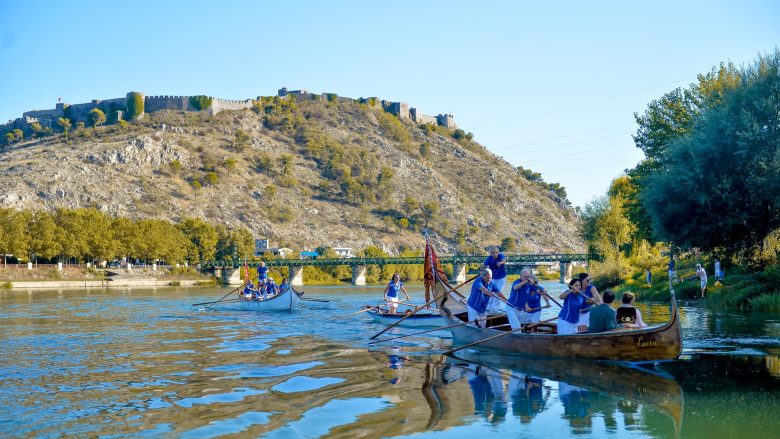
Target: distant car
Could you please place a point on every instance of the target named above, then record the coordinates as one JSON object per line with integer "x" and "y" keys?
{"x": 114, "y": 264}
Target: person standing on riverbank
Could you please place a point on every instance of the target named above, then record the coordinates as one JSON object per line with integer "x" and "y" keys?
{"x": 701, "y": 273}
{"x": 718, "y": 272}
{"x": 495, "y": 262}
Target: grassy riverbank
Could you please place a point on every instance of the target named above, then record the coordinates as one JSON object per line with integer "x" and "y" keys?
{"x": 741, "y": 289}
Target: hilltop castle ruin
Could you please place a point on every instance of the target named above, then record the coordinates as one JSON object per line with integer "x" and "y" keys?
{"x": 117, "y": 109}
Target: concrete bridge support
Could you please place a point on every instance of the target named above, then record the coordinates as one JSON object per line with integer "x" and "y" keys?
{"x": 458, "y": 273}
{"x": 565, "y": 271}
{"x": 231, "y": 276}
{"x": 358, "y": 275}
{"x": 296, "y": 276}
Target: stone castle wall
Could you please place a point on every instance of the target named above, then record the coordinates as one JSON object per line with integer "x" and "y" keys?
{"x": 115, "y": 108}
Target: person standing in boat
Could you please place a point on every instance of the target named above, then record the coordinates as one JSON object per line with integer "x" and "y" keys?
{"x": 495, "y": 262}
{"x": 533, "y": 306}
{"x": 627, "y": 314}
{"x": 391, "y": 293}
{"x": 481, "y": 292}
{"x": 262, "y": 272}
{"x": 573, "y": 300}
{"x": 525, "y": 288}
{"x": 589, "y": 291}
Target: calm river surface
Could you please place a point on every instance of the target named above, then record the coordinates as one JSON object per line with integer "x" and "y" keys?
{"x": 146, "y": 363}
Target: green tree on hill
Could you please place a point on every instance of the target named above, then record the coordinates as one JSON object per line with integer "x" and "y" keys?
{"x": 97, "y": 117}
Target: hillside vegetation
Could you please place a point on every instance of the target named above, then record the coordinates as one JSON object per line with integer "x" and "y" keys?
{"x": 302, "y": 173}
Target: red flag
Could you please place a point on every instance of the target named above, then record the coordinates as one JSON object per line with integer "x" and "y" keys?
{"x": 246, "y": 272}
{"x": 433, "y": 271}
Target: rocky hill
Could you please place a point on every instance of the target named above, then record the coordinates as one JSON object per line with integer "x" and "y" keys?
{"x": 300, "y": 172}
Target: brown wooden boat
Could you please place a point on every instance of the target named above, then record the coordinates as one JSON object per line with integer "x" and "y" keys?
{"x": 655, "y": 343}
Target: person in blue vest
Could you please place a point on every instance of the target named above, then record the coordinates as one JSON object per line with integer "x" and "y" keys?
{"x": 249, "y": 290}
{"x": 588, "y": 290}
{"x": 495, "y": 262}
{"x": 481, "y": 292}
{"x": 533, "y": 306}
{"x": 271, "y": 289}
{"x": 262, "y": 272}
{"x": 518, "y": 298}
{"x": 569, "y": 317}
{"x": 391, "y": 292}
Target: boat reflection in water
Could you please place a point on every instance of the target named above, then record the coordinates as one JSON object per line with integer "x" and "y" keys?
{"x": 591, "y": 397}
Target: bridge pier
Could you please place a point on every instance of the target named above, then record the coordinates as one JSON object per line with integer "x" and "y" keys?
{"x": 296, "y": 275}
{"x": 230, "y": 276}
{"x": 358, "y": 275}
{"x": 458, "y": 273}
{"x": 565, "y": 271}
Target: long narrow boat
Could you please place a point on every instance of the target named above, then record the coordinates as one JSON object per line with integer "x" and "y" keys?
{"x": 655, "y": 343}
{"x": 422, "y": 319}
{"x": 286, "y": 300}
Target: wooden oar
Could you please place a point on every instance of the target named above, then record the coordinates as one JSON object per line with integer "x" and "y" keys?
{"x": 423, "y": 306}
{"x": 432, "y": 330}
{"x": 498, "y": 336}
{"x": 356, "y": 312}
{"x": 220, "y": 300}
{"x": 315, "y": 300}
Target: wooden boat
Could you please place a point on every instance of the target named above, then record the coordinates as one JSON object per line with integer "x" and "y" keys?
{"x": 421, "y": 319}
{"x": 286, "y": 300}
{"x": 655, "y": 343}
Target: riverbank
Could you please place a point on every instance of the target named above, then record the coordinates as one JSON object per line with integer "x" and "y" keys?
{"x": 758, "y": 291}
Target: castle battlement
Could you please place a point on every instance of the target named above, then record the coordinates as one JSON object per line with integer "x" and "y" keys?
{"x": 115, "y": 108}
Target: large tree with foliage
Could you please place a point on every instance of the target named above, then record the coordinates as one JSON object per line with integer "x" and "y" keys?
{"x": 97, "y": 117}
{"x": 203, "y": 236}
{"x": 14, "y": 239}
{"x": 719, "y": 185}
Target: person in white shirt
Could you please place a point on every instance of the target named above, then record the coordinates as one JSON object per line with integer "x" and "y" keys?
{"x": 702, "y": 275}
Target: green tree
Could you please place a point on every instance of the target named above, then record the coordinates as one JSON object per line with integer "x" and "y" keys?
{"x": 123, "y": 125}
{"x": 135, "y": 105}
{"x": 200, "y": 102}
{"x": 430, "y": 212}
{"x": 14, "y": 239}
{"x": 425, "y": 150}
{"x": 18, "y": 134}
{"x": 175, "y": 167}
{"x": 286, "y": 162}
{"x": 202, "y": 235}
{"x": 241, "y": 140}
{"x": 718, "y": 187}
{"x": 97, "y": 117}
{"x": 43, "y": 236}
{"x": 211, "y": 178}
{"x": 230, "y": 164}
{"x": 71, "y": 239}
{"x": 38, "y": 130}
{"x": 613, "y": 231}
{"x": 128, "y": 237}
{"x": 410, "y": 205}
{"x": 270, "y": 192}
{"x": 508, "y": 244}
{"x": 9, "y": 137}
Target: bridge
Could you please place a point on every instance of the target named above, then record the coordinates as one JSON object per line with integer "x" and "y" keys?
{"x": 230, "y": 270}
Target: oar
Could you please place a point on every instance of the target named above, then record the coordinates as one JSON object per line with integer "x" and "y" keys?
{"x": 423, "y": 306}
{"x": 356, "y": 312}
{"x": 432, "y": 330}
{"x": 220, "y": 300}
{"x": 315, "y": 300}
{"x": 497, "y": 336}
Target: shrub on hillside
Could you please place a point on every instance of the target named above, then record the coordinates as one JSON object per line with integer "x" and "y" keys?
{"x": 200, "y": 102}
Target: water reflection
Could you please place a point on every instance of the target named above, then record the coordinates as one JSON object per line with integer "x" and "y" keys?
{"x": 145, "y": 364}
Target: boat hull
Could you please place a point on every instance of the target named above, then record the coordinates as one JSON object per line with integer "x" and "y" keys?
{"x": 419, "y": 320}
{"x": 287, "y": 300}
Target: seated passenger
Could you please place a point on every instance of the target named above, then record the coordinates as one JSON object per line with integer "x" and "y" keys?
{"x": 284, "y": 286}
{"x": 627, "y": 315}
{"x": 602, "y": 316}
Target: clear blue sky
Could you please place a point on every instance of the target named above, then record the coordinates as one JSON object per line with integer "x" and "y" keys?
{"x": 548, "y": 85}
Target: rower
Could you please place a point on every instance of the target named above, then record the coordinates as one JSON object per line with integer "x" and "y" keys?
{"x": 518, "y": 298}
{"x": 249, "y": 290}
{"x": 391, "y": 292}
{"x": 569, "y": 317}
{"x": 627, "y": 315}
{"x": 533, "y": 306}
{"x": 481, "y": 292}
{"x": 271, "y": 289}
{"x": 588, "y": 290}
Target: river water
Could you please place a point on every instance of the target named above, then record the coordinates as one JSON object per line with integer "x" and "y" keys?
{"x": 146, "y": 363}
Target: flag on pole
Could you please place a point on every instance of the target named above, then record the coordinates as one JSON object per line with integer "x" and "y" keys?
{"x": 246, "y": 273}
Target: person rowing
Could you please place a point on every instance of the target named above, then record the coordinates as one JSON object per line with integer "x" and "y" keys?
{"x": 249, "y": 290}
{"x": 495, "y": 262}
{"x": 589, "y": 291}
{"x": 481, "y": 292}
{"x": 271, "y": 289}
{"x": 533, "y": 306}
{"x": 391, "y": 292}
{"x": 573, "y": 301}
{"x": 519, "y": 297}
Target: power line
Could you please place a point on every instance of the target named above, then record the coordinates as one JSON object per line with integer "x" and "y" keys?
{"x": 566, "y": 135}
{"x": 598, "y": 101}
{"x": 563, "y": 171}
{"x": 573, "y": 143}
{"x": 578, "y": 153}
